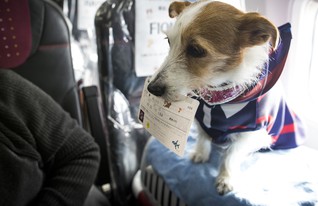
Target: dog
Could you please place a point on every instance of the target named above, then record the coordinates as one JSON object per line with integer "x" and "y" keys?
{"x": 217, "y": 54}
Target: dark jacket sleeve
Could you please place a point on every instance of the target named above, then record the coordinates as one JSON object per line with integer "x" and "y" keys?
{"x": 69, "y": 155}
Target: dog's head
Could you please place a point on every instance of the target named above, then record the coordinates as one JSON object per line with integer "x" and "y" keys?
{"x": 215, "y": 47}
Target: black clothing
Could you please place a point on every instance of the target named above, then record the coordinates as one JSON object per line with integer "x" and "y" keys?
{"x": 46, "y": 158}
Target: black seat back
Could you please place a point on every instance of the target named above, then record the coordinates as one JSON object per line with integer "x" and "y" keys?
{"x": 46, "y": 44}
{"x": 121, "y": 91}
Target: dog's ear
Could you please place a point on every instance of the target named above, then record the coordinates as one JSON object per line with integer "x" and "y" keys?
{"x": 176, "y": 8}
{"x": 255, "y": 30}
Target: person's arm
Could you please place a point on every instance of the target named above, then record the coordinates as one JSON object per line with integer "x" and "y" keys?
{"x": 69, "y": 154}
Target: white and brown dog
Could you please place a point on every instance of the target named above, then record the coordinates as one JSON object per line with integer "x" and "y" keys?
{"x": 219, "y": 52}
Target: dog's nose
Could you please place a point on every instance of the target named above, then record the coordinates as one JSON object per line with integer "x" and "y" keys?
{"x": 155, "y": 89}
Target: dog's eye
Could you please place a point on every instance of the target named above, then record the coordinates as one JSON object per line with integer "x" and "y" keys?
{"x": 196, "y": 51}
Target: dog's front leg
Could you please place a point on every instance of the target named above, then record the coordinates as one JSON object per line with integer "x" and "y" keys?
{"x": 202, "y": 148}
{"x": 242, "y": 144}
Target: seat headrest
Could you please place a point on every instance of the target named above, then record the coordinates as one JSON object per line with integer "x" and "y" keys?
{"x": 15, "y": 33}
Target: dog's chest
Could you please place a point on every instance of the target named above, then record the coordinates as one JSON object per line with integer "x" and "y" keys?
{"x": 220, "y": 120}
{"x": 269, "y": 112}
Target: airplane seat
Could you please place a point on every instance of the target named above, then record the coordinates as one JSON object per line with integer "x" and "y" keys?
{"x": 120, "y": 91}
{"x": 39, "y": 50}
{"x": 35, "y": 43}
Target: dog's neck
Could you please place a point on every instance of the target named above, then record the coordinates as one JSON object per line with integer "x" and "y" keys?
{"x": 213, "y": 97}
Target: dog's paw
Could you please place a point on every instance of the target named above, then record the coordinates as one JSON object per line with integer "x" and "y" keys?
{"x": 223, "y": 185}
{"x": 199, "y": 156}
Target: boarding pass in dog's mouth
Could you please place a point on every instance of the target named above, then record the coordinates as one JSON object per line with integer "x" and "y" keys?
{"x": 169, "y": 122}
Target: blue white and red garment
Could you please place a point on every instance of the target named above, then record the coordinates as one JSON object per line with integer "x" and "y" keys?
{"x": 262, "y": 107}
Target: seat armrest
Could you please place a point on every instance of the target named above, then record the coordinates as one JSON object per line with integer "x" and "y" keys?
{"x": 98, "y": 130}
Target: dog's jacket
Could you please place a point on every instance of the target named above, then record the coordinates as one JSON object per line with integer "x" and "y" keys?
{"x": 261, "y": 107}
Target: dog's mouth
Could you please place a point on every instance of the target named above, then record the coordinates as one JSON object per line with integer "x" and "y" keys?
{"x": 220, "y": 94}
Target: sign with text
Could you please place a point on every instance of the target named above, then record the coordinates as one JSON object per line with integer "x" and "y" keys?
{"x": 152, "y": 20}
{"x": 169, "y": 122}
{"x": 86, "y": 13}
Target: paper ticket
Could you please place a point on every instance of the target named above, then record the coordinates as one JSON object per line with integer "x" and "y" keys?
{"x": 169, "y": 122}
